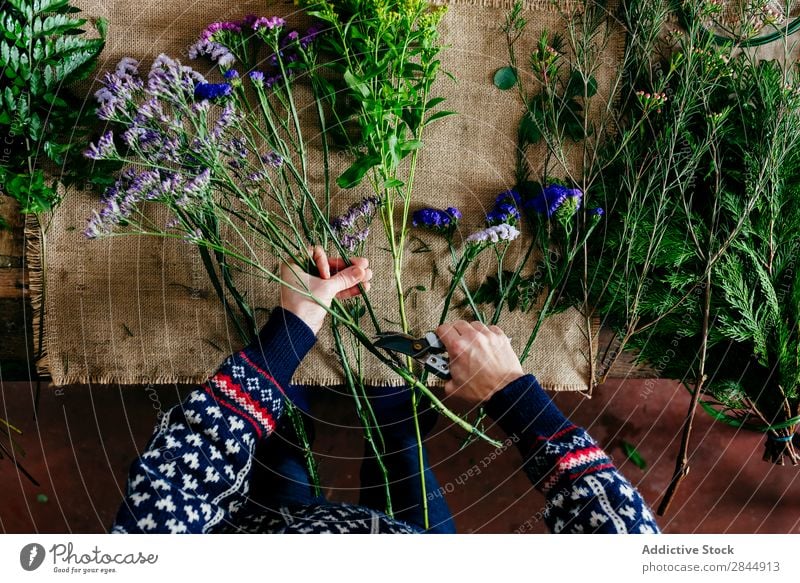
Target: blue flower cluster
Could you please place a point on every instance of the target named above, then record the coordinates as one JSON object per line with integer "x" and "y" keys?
{"x": 212, "y": 90}
{"x": 506, "y": 209}
{"x": 443, "y": 221}
{"x": 552, "y": 197}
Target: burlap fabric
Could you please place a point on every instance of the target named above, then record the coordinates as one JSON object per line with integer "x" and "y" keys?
{"x": 134, "y": 310}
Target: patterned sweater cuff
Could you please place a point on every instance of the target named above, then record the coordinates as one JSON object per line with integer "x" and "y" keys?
{"x": 281, "y": 345}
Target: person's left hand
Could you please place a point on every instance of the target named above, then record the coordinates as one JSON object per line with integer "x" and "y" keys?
{"x": 336, "y": 280}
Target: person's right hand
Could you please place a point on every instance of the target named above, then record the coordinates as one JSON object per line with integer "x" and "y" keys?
{"x": 482, "y": 360}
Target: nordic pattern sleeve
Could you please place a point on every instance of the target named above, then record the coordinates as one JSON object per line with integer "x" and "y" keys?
{"x": 585, "y": 493}
{"x": 196, "y": 467}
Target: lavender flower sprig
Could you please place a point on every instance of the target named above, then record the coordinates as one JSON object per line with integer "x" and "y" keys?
{"x": 352, "y": 227}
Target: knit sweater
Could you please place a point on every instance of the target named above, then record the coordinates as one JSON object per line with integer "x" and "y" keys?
{"x": 194, "y": 475}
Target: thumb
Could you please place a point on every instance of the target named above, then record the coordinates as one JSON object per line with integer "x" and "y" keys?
{"x": 346, "y": 279}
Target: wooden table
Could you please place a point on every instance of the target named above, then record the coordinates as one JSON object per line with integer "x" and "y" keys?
{"x": 16, "y": 339}
{"x": 17, "y": 354}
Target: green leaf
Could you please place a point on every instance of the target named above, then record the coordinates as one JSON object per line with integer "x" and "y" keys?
{"x": 505, "y": 78}
{"x": 411, "y": 145}
{"x": 439, "y": 115}
{"x": 357, "y": 86}
{"x": 353, "y": 176}
{"x": 395, "y": 150}
{"x": 393, "y": 183}
{"x": 101, "y": 24}
{"x": 633, "y": 455}
{"x": 529, "y": 131}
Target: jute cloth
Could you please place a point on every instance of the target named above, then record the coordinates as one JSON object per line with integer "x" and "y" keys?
{"x": 135, "y": 310}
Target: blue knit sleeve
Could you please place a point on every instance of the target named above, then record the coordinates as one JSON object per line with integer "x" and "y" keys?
{"x": 196, "y": 468}
{"x": 585, "y": 492}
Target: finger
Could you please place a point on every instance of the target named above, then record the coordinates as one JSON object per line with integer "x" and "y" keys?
{"x": 321, "y": 261}
{"x": 353, "y": 291}
{"x": 497, "y": 330}
{"x": 347, "y": 278}
{"x": 338, "y": 264}
{"x": 464, "y": 328}
{"x": 446, "y": 333}
{"x": 479, "y": 327}
{"x": 356, "y": 289}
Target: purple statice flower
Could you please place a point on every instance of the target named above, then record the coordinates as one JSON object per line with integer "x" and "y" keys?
{"x": 194, "y": 190}
{"x": 361, "y": 210}
{"x": 172, "y": 223}
{"x": 257, "y": 77}
{"x": 276, "y": 58}
{"x": 199, "y": 184}
{"x": 200, "y": 107}
{"x": 311, "y": 34}
{"x": 172, "y": 184}
{"x": 272, "y": 159}
{"x": 212, "y": 90}
{"x": 270, "y": 23}
{"x": 116, "y": 96}
{"x": 258, "y": 176}
{"x": 194, "y": 237}
{"x": 552, "y": 198}
{"x": 215, "y": 27}
{"x": 226, "y": 120}
{"x": 120, "y": 200}
{"x": 127, "y": 66}
{"x": 217, "y": 52}
{"x": 171, "y": 81}
{"x": 291, "y": 37}
{"x": 231, "y": 74}
{"x": 273, "y": 80}
{"x": 103, "y": 149}
{"x": 442, "y": 221}
{"x": 597, "y": 212}
{"x": 151, "y": 110}
{"x": 351, "y": 241}
{"x": 352, "y": 227}
{"x": 493, "y": 235}
{"x": 136, "y": 136}
{"x": 249, "y": 20}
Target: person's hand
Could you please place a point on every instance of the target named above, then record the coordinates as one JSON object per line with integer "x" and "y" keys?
{"x": 336, "y": 280}
{"x": 482, "y": 360}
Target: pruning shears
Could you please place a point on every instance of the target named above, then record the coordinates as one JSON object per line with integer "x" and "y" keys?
{"x": 428, "y": 350}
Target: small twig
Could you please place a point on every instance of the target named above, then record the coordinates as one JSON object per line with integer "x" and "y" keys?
{"x": 682, "y": 461}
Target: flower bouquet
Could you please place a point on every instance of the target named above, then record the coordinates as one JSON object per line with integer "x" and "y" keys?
{"x": 243, "y": 166}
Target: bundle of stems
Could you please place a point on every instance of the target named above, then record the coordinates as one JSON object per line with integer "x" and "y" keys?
{"x": 232, "y": 161}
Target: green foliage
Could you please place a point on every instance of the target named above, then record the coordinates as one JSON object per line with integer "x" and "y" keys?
{"x": 521, "y": 294}
{"x": 697, "y": 165}
{"x": 43, "y": 48}
{"x": 705, "y": 210}
{"x": 386, "y": 55}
